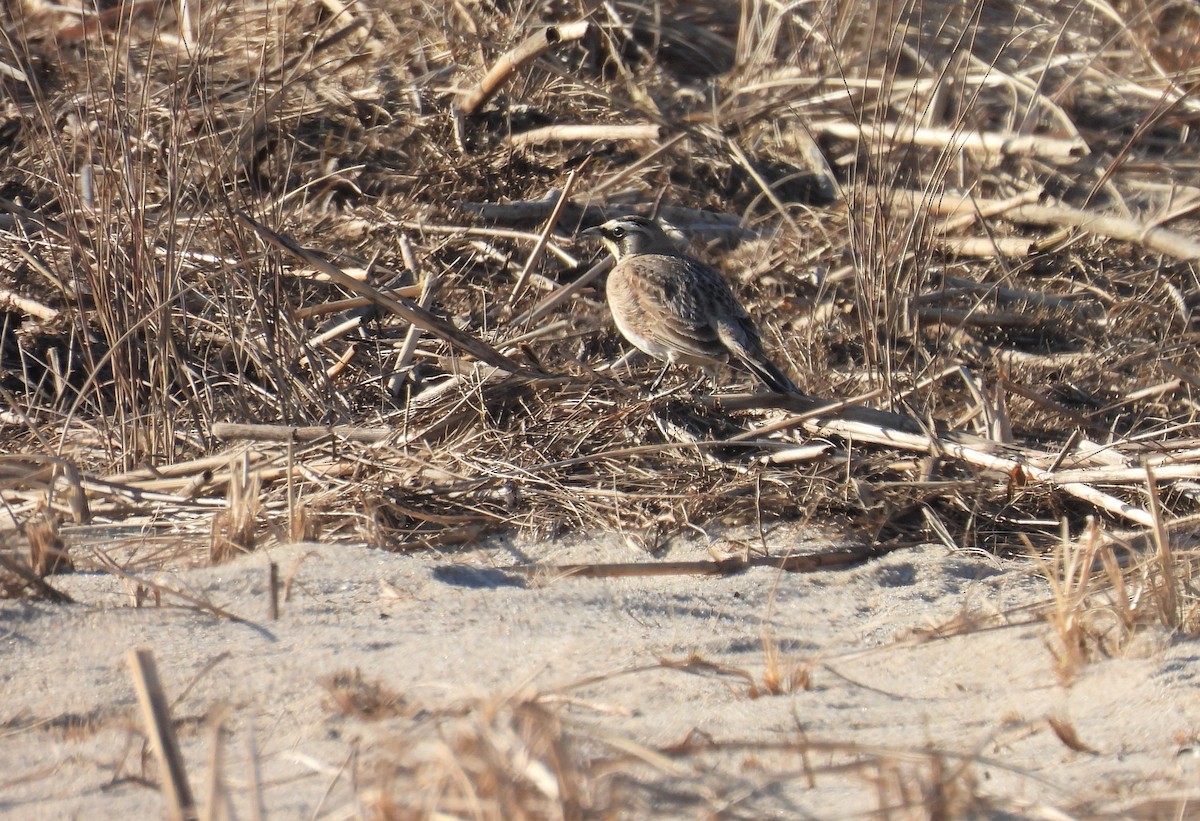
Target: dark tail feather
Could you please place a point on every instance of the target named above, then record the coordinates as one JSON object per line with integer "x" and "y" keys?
{"x": 770, "y": 375}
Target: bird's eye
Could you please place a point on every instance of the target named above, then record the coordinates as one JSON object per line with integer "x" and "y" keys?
{"x": 618, "y": 232}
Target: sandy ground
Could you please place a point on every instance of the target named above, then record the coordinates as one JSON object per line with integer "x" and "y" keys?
{"x": 887, "y": 712}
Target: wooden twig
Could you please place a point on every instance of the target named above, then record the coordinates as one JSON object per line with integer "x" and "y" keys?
{"x": 285, "y": 433}
{"x": 1011, "y": 294}
{"x": 1153, "y": 238}
{"x": 161, "y": 731}
{"x": 511, "y": 61}
{"x": 564, "y": 293}
{"x": 988, "y": 247}
{"x": 586, "y": 133}
{"x": 409, "y": 349}
{"x": 16, "y": 302}
{"x": 690, "y": 220}
{"x": 984, "y": 319}
{"x": 723, "y": 567}
{"x": 535, "y": 254}
{"x": 950, "y": 139}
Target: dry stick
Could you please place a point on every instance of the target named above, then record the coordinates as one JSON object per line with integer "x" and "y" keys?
{"x": 403, "y": 308}
{"x": 722, "y": 567}
{"x": 529, "y": 50}
{"x": 1153, "y": 237}
{"x": 562, "y": 294}
{"x": 1128, "y": 476}
{"x": 157, "y": 716}
{"x": 16, "y": 302}
{"x": 339, "y": 305}
{"x": 432, "y": 283}
{"x": 586, "y": 133}
{"x": 862, "y": 432}
{"x": 536, "y": 253}
{"x": 793, "y": 421}
{"x": 987, "y": 209}
{"x": 988, "y": 247}
{"x": 273, "y": 587}
{"x": 995, "y": 319}
{"x": 197, "y": 603}
{"x": 1015, "y": 294}
{"x": 214, "y": 787}
{"x": 631, "y": 169}
{"x": 990, "y": 142}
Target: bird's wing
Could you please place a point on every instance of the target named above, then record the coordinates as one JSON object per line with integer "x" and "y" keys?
{"x": 683, "y": 315}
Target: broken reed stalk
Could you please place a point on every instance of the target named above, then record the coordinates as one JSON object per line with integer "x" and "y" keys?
{"x": 517, "y": 58}
{"x": 1153, "y": 237}
{"x": 806, "y": 563}
{"x": 536, "y": 253}
{"x": 156, "y": 715}
{"x": 604, "y": 132}
{"x": 954, "y": 140}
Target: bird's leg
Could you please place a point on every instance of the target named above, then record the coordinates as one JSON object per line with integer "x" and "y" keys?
{"x": 661, "y": 375}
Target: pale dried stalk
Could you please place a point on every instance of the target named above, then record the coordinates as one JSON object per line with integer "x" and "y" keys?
{"x": 511, "y": 61}
{"x": 548, "y": 229}
{"x": 586, "y": 133}
{"x": 1021, "y": 145}
{"x": 156, "y": 713}
{"x": 16, "y": 302}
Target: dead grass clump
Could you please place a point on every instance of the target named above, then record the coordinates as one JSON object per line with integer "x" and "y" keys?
{"x": 534, "y": 755}
{"x": 235, "y": 530}
{"x": 1103, "y": 599}
{"x": 977, "y": 216}
{"x": 47, "y": 553}
{"x": 352, "y": 695}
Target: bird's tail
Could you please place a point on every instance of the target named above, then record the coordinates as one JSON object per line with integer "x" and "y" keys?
{"x": 770, "y": 375}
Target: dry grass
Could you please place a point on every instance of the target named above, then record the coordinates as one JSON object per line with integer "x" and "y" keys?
{"x": 978, "y": 214}
{"x": 532, "y": 755}
{"x": 136, "y": 139}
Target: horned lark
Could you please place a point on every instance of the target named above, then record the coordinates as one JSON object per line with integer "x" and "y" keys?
{"x": 676, "y": 308}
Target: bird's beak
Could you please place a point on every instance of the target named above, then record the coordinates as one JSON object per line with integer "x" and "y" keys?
{"x": 594, "y": 232}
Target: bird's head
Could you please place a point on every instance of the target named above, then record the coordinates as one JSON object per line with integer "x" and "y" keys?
{"x": 626, "y": 236}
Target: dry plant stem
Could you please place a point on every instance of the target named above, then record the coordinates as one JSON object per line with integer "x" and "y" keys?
{"x": 539, "y": 311}
{"x": 988, "y": 247}
{"x": 529, "y": 50}
{"x": 339, "y": 305}
{"x": 214, "y": 787}
{"x": 16, "y": 302}
{"x": 995, "y": 319}
{"x": 285, "y": 433}
{"x": 735, "y": 564}
{"x": 1166, "y": 590}
{"x": 794, "y": 421}
{"x": 988, "y": 209}
{"x": 538, "y": 246}
{"x": 1154, "y": 238}
{"x": 429, "y": 322}
{"x": 954, "y": 140}
{"x": 195, "y": 602}
{"x": 586, "y": 133}
{"x": 157, "y": 717}
{"x": 432, "y": 283}
{"x": 32, "y": 469}
{"x": 861, "y": 432}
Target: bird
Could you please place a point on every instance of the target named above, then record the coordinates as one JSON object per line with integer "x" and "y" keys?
{"x": 675, "y": 307}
